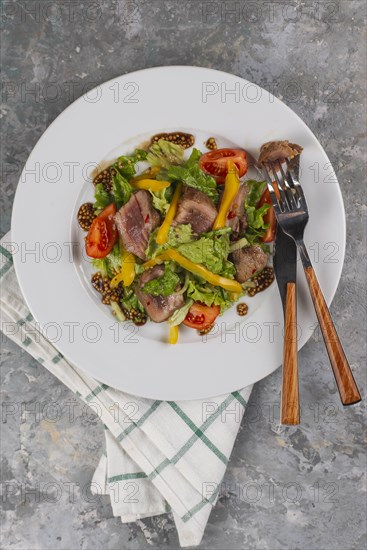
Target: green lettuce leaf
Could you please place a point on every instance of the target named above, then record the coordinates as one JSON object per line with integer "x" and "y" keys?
{"x": 179, "y": 315}
{"x": 121, "y": 189}
{"x": 124, "y": 169}
{"x": 164, "y": 285}
{"x": 208, "y": 295}
{"x": 256, "y": 227}
{"x": 161, "y": 200}
{"x": 110, "y": 264}
{"x": 228, "y": 270}
{"x": 139, "y": 269}
{"x": 177, "y": 235}
{"x": 129, "y": 299}
{"x": 102, "y": 197}
{"x": 255, "y": 216}
{"x": 190, "y": 174}
{"x": 100, "y": 265}
{"x": 164, "y": 153}
{"x": 194, "y": 177}
{"x": 211, "y": 250}
{"x": 194, "y": 158}
{"x": 256, "y": 189}
{"x": 114, "y": 258}
{"x": 125, "y": 165}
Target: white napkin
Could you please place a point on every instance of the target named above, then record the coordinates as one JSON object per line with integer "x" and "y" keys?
{"x": 160, "y": 456}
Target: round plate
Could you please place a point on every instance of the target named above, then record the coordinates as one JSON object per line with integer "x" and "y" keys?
{"x": 54, "y": 275}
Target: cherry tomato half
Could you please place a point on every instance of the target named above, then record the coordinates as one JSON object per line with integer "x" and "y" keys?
{"x": 102, "y": 235}
{"x": 215, "y": 162}
{"x": 269, "y": 217}
{"x": 201, "y": 316}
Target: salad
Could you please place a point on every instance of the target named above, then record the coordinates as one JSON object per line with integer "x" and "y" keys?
{"x": 178, "y": 236}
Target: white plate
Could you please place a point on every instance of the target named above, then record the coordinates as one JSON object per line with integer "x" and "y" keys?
{"x": 54, "y": 276}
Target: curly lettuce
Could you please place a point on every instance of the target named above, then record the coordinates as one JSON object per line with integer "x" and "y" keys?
{"x": 102, "y": 197}
{"x": 177, "y": 235}
{"x": 121, "y": 171}
{"x": 164, "y": 285}
{"x": 161, "y": 199}
{"x": 211, "y": 250}
{"x": 256, "y": 226}
{"x": 125, "y": 164}
{"x": 190, "y": 174}
{"x": 109, "y": 265}
{"x": 165, "y": 153}
{"x": 179, "y": 315}
{"x": 208, "y": 294}
{"x": 121, "y": 189}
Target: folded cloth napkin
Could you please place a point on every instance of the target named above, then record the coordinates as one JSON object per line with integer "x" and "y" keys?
{"x": 160, "y": 456}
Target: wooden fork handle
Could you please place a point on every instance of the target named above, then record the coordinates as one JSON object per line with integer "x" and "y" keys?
{"x": 348, "y": 390}
{"x": 290, "y": 400}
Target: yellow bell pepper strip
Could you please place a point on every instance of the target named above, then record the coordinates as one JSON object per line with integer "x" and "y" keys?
{"x": 164, "y": 228}
{"x": 154, "y": 261}
{"x": 150, "y": 185}
{"x": 173, "y": 334}
{"x": 127, "y": 273}
{"x": 196, "y": 269}
{"x": 231, "y": 187}
{"x": 147, "y": 174}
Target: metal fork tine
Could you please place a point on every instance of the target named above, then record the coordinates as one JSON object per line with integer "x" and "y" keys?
{"x": 273, "y": 196}
{"x": 293, "y": 167}
{"x": 293, "y": 180}
{"x": 295, "y": 185}
{"x": 276, "y": 199}
{"x": 289, "y": 191}
{"x": 283, "y": 200}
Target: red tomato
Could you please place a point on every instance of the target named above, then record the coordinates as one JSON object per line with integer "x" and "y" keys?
{"x": 102, "y": 235}
{"x": 269, "y": 217}
{"x": 215, "y": 162}
{"x": 201, "y": 316}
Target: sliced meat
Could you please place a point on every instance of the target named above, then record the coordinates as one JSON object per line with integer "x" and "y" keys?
{"x": 236, "y": 218}
{"x": 149, "y": 214}
{"x": 135, "y": 221}
{"x": 248, "y": 261}
{"x": 159, "y": 308}
{"x": 278, "y": 150}
{"x": 197, "y": 209}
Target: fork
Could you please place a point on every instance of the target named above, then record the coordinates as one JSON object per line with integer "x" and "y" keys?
{"x": 291, "y": 211}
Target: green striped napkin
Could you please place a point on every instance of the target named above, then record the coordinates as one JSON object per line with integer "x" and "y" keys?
{"x": 161, "y": 456}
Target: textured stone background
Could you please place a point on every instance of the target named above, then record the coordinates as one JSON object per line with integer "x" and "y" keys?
{"x": 276, "y": 43}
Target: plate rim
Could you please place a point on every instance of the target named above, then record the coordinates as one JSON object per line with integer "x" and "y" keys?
{"x": 332, "y": 290}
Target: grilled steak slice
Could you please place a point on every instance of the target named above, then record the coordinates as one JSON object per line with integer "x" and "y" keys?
{"x": 236, "y": 218}
{"x": 248, "y": 261}
{"x": 197, "y": 209}
{"x": 135, "y": 221}
{"x": 159, "y": 308}
{"x": 278, "y": 150}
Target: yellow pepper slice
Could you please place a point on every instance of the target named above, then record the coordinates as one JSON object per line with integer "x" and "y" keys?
{"x": 150, "y": 185}
{"x": 231, "y": 187}
{"x": 147, "y": 174}
{"x": 127, "y": 273}
{"x": 157, "y": 260}
{"x": 164, "y": 228}
{"x": 197, "y": 269}
{"x": 173, "y": 335}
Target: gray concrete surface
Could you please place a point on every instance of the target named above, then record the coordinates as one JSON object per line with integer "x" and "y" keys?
{"x": 308, "y": 482}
